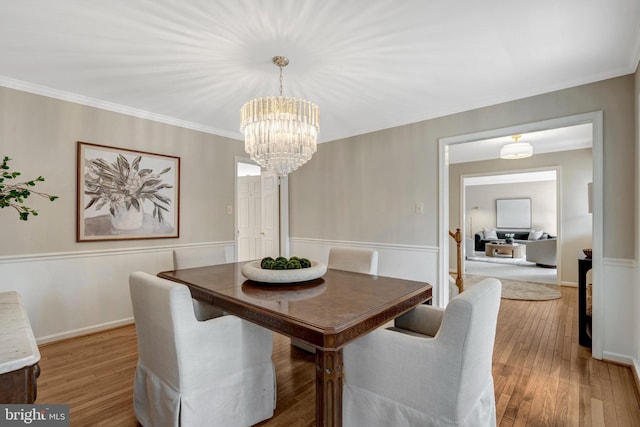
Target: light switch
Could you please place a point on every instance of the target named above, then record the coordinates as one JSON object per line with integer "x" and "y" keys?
{"x": 419, "y": 207}
{"x": 229, "y": 210}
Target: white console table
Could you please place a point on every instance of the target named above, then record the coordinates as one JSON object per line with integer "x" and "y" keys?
{"x": 19, "y": 354}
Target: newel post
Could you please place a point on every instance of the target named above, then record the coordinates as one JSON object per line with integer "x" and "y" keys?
{"x": 457, "y": 236}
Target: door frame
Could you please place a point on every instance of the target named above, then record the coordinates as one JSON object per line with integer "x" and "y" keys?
{"x": 596, "y": 120}
{"x": 283, "y": 214}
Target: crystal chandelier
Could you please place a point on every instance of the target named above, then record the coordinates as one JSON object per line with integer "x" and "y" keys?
{"x": 516, "y": 150}
{"x": 280, "y": 133}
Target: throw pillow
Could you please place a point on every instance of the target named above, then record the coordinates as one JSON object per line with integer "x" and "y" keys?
{"x": 535, "y": 235}
{"x": 490, "y": 234}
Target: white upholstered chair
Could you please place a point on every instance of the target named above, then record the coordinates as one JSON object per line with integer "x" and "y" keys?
{"x": 192, "y": 373}
{"x": 354, "y": 259}
{"x": 348, "y": 259}
{"x": 436, "y": 374}
{"x": 191, "y": 257}
{"x": 543, "y": 252}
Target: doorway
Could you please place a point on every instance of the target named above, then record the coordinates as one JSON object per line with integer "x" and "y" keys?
{"x": 481, "y": 195}
{"x": 257, "y": 212}
{"x": 596, "y": 120}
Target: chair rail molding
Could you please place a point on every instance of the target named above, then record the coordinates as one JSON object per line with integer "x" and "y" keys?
{"x": 75, "y": 293}
{"x": 409, "y": 262}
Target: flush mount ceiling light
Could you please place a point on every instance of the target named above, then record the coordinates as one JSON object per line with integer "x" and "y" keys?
{"x": 280, "y": 133}
{"x": 516, "y": 150}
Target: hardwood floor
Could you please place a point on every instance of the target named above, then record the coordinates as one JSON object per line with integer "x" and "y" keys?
{"x": 542, "y": 376}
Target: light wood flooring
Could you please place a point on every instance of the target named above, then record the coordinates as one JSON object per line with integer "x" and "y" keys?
{"x": 542, "y": 376}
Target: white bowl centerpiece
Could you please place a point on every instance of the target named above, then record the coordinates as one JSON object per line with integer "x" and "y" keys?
{"x": 283, "y": 270}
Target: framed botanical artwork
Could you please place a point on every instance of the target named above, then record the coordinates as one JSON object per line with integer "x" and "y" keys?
{"x": 125, "y": 194}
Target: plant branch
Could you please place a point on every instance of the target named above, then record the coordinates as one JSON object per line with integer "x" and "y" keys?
{"x": 13, "y": 195}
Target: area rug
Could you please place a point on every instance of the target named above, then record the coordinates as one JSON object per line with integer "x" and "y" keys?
{"x": 501, "y": 260}
{"x": 520, "y": 290}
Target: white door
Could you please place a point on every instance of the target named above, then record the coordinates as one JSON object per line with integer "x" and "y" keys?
{"x": 270, "y": 215}
{"x": 257, "y": 212}
{"x": 249, "y": 195}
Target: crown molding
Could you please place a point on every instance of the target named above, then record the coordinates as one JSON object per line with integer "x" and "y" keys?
{"x": 113, "y": 107}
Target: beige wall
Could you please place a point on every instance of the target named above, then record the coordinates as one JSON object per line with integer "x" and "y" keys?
{"x": 40, "y": 135}
{"x": 364, "y": 188}
{"x": 576, "y": 171}
{"x": 543, "y": 204}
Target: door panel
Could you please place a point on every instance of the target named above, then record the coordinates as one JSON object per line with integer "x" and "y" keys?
{"x": 249, "y": 218}
{"x": 257, "y": 213}
{"x": 270, "y": 214}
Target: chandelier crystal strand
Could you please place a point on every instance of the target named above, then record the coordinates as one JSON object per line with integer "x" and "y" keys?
{"x": 280, "y": 132}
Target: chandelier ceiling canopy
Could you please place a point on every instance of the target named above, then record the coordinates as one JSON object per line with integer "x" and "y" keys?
{"x": 280, "y": 133}
{"x": 516, "y": 150}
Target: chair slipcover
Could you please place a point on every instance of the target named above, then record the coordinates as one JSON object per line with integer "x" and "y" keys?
{"x": 397, "y": 379}
{"x": 354, "y": 259}
{"x": 192, "y": 257}
{"x": 190, "y": 373}
{"x": 347, "y": 259}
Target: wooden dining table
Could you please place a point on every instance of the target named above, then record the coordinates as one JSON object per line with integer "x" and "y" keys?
{"x": 327, "y": 313}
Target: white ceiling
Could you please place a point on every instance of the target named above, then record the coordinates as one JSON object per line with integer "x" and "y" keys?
{"x": 368, "y": 64}
{"x": 546, "y": 141}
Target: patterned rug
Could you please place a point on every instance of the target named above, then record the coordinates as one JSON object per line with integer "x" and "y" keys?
{"x": 516, "y": 289}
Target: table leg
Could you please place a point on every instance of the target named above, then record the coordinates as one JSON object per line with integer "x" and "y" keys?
{"x": 329, "y": 374}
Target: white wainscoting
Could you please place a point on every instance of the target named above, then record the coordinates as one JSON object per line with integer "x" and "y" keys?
{"x": 421, "y": 262}
{"x": 72, "y": 294}
{"x": 619, "y": 325}
{"x": 401, "y": 261}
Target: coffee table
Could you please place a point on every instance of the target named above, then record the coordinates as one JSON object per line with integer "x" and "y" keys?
{"x": 516, "y": 250}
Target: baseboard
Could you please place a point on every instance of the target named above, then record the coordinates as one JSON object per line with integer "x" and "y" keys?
{"x": 569, "y": 284}
{"x": 84, "y": 331}
{"x": 619, "y": 358}
{"x": 627, "y": 361}
{"x": 635, "y": 368}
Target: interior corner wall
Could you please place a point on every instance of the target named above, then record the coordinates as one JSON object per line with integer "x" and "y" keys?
{"x": 68, "y": 286}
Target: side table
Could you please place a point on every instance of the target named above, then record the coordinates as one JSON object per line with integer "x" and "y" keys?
{"x": 584, "y": 320}
{"x": 19, "y": 354}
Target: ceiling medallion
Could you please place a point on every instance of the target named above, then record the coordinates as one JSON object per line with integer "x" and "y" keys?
{"x": 280, "y": 133}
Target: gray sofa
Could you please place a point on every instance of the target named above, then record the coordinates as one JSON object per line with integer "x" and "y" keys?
{"x": 520, "y": 237}
{"x": 543, "y": 252}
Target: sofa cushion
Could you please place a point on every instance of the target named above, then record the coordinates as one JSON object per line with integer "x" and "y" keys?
{"x": 535, "y": 235}
{"x": 490, "y": 234}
